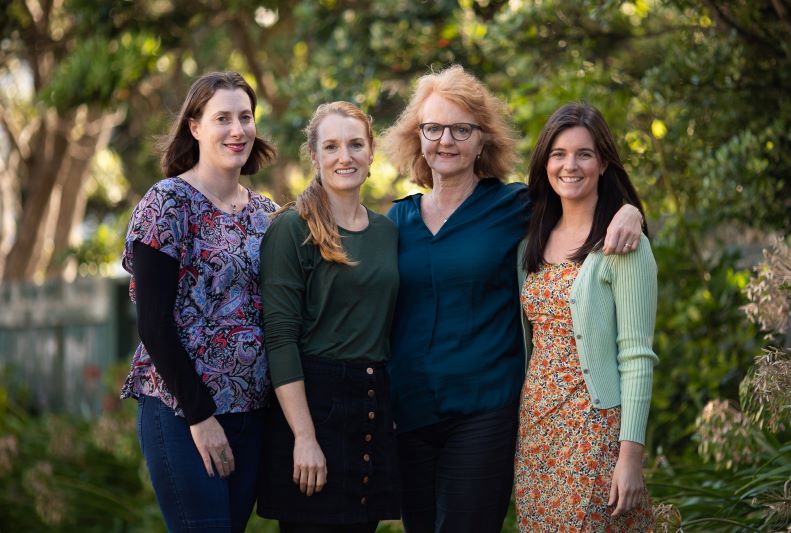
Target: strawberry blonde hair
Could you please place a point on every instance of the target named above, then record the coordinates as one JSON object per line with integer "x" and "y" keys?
{"x": 401, "y": 142}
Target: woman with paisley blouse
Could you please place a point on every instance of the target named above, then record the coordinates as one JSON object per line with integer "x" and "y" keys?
{"x": 199, "y": 374}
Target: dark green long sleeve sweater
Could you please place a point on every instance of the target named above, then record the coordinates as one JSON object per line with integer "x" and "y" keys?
{"x": 320, "y": 309}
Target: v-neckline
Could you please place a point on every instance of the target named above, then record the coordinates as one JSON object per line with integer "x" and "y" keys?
{"x": 419, "y": 201}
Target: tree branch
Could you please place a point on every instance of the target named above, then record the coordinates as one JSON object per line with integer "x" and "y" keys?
{"x": 744, "y": 33}
{"x": 783, "y": 13}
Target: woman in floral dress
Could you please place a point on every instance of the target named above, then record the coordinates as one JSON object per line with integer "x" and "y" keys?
{"x": 199, "y": 374}
{"x": 585, "y": 400}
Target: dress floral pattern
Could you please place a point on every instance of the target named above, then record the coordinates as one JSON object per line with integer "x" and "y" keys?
{"x": 567, "y": 449}
{"x": 218, "y": 304}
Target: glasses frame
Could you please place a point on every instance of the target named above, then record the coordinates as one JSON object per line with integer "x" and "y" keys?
{"x": 472, "y": 127}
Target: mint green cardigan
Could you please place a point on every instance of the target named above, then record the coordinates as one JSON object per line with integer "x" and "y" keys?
{"x": 613, "y": 312}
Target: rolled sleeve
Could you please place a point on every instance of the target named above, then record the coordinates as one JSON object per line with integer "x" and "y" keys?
{"x": 283, "y": 279}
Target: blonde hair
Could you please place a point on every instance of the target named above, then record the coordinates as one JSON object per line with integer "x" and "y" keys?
{"x": 401, "y": 142}
{"x": 313, "y": 205}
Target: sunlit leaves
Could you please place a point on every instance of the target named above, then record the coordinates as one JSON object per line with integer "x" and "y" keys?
{"x": 99, "y": 70}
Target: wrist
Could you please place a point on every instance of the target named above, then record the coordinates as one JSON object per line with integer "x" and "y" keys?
{"x": 630, "y": 451}
{"x": 304, "y": 435}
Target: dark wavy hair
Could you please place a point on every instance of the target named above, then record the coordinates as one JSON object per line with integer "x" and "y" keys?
{"x": 180, "y": 149}
{"x": 615, "y": 188}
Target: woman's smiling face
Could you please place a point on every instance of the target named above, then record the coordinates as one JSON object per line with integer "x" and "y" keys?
{"x": 343, "y": 152}
{"x": 574, "y": 166}
{"x": 448, "y": 157}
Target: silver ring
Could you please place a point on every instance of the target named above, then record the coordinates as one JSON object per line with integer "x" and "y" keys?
{"x": 627, "y": 245}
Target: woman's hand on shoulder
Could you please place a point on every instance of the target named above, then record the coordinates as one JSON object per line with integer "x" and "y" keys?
{"x": 627, "y": 487}
{"x": 310, "y": 466}
{"x": 623, "y": 233}
{"x": 213, "y": 447}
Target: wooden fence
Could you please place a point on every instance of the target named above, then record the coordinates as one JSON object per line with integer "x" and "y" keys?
{"x": 57, "y": 340}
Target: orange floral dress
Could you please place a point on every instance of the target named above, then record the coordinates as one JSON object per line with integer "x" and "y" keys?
{"x": 567, "y": 449}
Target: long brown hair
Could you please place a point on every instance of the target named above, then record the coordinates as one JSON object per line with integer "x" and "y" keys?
{"x": 179, "y": 148}
{"x": 614, "y": 190}
{"x": 401, "y": 142}
{"x": 313, "y": 205}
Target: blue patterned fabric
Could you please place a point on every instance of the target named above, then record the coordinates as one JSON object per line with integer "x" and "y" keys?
{"x": 218, "y": 304}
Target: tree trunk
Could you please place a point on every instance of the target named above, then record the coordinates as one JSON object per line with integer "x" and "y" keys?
{"x": 9, "y": 205}
{"x": 71, "y": 210}
{"x": 51, "y": 144}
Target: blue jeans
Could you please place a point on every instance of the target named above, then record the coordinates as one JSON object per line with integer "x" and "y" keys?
{"x": 190, "y": 500}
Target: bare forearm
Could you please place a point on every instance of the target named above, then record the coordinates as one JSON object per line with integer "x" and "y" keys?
{"x": 294, "y": 403}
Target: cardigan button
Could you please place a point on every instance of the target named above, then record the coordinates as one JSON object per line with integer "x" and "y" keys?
{"x": 579, "y": 336}
{"x": 596, "y": 401}
{"x": 586, "y": 371}
{"x": 573, "y": 301}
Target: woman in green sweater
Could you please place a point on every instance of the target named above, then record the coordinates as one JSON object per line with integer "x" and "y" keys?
{"x": 590, "y": 323}
{"x": 329, "y": 279}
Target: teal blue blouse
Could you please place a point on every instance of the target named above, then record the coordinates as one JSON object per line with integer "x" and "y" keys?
{"x": 457, "y": 340}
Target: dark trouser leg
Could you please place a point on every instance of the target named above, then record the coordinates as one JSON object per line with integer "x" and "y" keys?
{"x": 475, "y": 473}
{"x": 457, "y": 475}
{"x": 245, "y": 433}
{"x": 418, "y": 454}
{"x": 296, "y": 527}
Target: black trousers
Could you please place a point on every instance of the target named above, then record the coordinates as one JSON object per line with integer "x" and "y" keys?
{"x": 293, "y": 527}
{"x": 457, "y": 475}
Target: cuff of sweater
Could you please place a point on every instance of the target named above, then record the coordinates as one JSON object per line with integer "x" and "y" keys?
{"x": 285, "y": 365}
{"x": 634, "y": 417}
{"x": 199, "y": 410}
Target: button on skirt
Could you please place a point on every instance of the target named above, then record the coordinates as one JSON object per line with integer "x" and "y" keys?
{"x": 349, "y": 402}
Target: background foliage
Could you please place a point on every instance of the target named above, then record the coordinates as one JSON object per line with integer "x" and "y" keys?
{"x": 694, "y": 90}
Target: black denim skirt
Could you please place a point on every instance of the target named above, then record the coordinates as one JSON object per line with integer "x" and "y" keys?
{"x": 349, "y": 402}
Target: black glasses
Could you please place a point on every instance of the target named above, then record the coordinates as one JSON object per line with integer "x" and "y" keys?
{"x": 460, "y": 131}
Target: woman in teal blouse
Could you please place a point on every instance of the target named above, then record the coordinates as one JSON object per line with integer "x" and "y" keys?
{"x": 458, "y": 360}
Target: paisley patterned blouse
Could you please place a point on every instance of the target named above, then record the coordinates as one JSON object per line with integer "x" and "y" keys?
{"x": 218, "y": 303}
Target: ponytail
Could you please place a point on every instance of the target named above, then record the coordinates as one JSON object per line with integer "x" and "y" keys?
{"x": 313, "y": 206}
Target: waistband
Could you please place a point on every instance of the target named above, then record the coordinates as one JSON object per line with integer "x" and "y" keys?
{"x": 333, "y": 367}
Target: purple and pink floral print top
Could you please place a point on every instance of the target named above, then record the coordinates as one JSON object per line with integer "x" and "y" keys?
{"x": 218, "y": 303}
